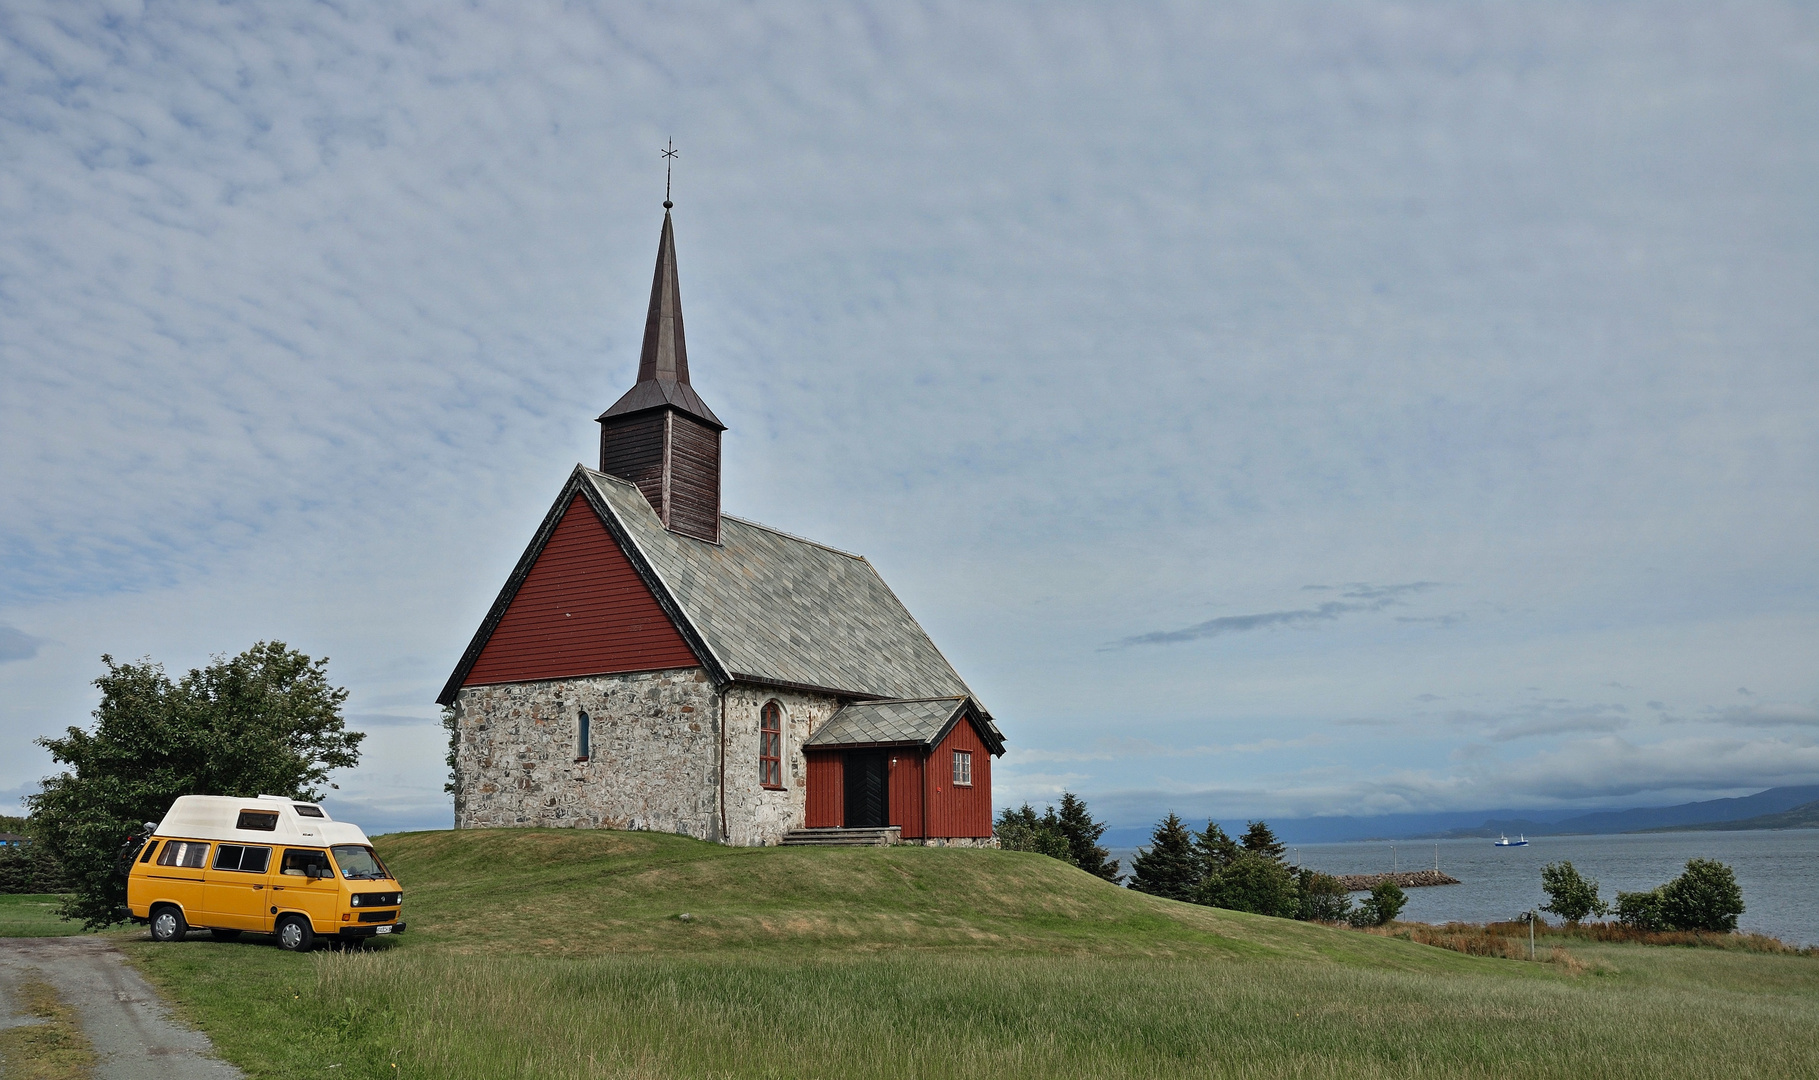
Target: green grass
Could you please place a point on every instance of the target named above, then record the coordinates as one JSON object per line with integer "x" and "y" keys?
{"x": 33, "y": 915}
{"x": 53, "y": 1046}
{"x": 560, "y": 954}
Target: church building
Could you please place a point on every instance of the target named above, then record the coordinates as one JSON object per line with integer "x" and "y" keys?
{"x": 654, "y": 663}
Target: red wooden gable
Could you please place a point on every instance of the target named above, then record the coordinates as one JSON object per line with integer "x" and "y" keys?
{"x": 582, "y": 610}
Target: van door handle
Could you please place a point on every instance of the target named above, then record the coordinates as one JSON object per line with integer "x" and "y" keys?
{"x": 256, "y": 888}
{"x": 277, "y": 888}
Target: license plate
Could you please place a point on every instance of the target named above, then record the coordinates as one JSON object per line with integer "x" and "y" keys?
{"x": 385, "y": 930}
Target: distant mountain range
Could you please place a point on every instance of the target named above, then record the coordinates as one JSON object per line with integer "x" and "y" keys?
{"x": 1776, "y": 808}
{"x": 1771, "y": 803}
{"x": 1800, "y": 817}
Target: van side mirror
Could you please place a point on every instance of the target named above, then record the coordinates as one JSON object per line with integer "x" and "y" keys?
{"x": 313, "y": 872}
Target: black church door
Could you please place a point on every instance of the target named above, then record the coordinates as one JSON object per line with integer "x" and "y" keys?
{"x": 867, "y": 789}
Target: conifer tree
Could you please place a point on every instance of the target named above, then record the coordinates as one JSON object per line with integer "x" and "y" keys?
{"x": 1214, "y": 849}
{"x": 1260, "y": 840}
{"x": 1168, "y": 867}
{"x": 1083, "y": 833}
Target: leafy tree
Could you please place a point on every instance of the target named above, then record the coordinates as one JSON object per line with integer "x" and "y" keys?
{"x": 1569, "y": 895}
{"x": 1083, "y": 834}
{"x": 1214, "y": 849}
{"x": 1260, "y": 840}
{"x": 263, "y": 722}
{"x": 1641, "y": 910}
{"x": 1704, "y": 897}
{"x": 1382, "y": 906}
{"x": 1255, "y": 883}
{"x": 1168, "y": 867}
{"x": 1023, "y": 830}
{"x": 1323, "y": 897}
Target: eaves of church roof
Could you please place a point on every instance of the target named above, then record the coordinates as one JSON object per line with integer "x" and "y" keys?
{"x": 923, "y": 722}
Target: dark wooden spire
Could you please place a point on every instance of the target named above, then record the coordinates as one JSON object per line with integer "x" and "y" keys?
{"x": 661, "y": 435}
{"x": 663, "y": 364}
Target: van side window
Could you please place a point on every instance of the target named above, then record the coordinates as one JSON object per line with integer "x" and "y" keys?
{"x": 297, "y": 862}
{"x": 251, "y": 860}
{"x": 150, "y": 846}
{"x": 307, "y": 809}
{"x": 258, "y": 820}
{"x": 185, "y": 854}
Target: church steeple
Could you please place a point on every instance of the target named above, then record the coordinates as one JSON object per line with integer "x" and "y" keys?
{"x": 663, "y": 363}
{"x": 661, "y": 435}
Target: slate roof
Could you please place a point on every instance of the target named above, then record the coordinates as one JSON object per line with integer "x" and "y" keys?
{"x": 922, "y": 722}
{"x": 771, "y": 607}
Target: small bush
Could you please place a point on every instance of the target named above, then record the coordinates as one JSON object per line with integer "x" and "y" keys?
{"x": 1382, "y": 906}
{"x": 1024, "y": 830}
{"x": 1641, "y": 910}
{"x": 1323, "y": 897}
{"x": 1255, "y": 883}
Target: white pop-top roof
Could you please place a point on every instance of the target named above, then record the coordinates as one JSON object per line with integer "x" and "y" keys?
{"x": 214, "y": 817}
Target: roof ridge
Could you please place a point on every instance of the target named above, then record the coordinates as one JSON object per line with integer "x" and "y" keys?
{"x": 793, "y": 536}
{"x": 911, "y": 700}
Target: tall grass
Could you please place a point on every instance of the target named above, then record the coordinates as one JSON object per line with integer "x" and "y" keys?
{"x": 562, "y": 956}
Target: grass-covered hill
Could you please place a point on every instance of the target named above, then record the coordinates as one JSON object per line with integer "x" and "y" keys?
{"x": 563, "y": 954}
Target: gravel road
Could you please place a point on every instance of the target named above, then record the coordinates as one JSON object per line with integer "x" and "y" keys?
{"x": 131, "y": 1030}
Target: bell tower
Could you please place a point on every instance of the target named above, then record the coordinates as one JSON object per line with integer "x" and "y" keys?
{"x": 661, "y": 435}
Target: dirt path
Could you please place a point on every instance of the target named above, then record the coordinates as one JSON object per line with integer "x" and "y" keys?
{"x": 121, "y": 1014}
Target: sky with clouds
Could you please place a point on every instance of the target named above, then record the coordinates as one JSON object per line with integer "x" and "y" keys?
{"x": 1271, "y": 409}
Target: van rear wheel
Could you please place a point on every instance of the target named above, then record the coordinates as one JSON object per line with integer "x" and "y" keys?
{"x": 168, "y": 924}
{"x": 295, "y": 934}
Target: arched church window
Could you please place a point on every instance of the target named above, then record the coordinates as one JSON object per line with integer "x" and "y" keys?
{"x": 770, "y": 745}
{"x": 583, "y": 737}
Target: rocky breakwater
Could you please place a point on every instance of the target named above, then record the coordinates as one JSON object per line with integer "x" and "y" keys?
{"x": 1407, "y": 879}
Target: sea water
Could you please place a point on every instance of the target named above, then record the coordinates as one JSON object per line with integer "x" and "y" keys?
{"x": 1778, "y": 871}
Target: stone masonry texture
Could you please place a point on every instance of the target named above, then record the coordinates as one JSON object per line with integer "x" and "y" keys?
{"x": 654, "y": 762}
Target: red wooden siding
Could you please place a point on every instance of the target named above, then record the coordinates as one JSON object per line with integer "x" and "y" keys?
{"x": 582, "y": 610}
{"x": 906, "y": 790}
{"x": 959, "y": 811}
{"x": 826, "y": 791}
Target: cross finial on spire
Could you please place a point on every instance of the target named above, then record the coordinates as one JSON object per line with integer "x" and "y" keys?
{"x": 669, "y": 155}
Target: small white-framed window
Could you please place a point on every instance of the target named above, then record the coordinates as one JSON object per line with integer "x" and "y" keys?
{"x": 963, "y": 768}
{"x": 770, "y": 745}
{"x": 584, "y": 737}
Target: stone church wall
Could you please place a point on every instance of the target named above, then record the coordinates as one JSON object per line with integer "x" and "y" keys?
{"x": 654, "y": 762}
{"x": 756, "y": 815}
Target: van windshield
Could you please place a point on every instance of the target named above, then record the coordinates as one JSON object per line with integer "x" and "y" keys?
{"x": 358, "y": 863}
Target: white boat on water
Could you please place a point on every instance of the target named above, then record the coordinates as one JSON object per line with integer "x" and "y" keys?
{"x": 1504, "y": 841}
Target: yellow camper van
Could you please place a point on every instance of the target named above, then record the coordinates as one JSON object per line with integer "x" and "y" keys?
{"x": 268, "y": 865}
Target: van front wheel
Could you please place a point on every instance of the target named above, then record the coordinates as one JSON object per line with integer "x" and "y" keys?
{"x": 294, "y": 934}
{"x": 168, "y": 924}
